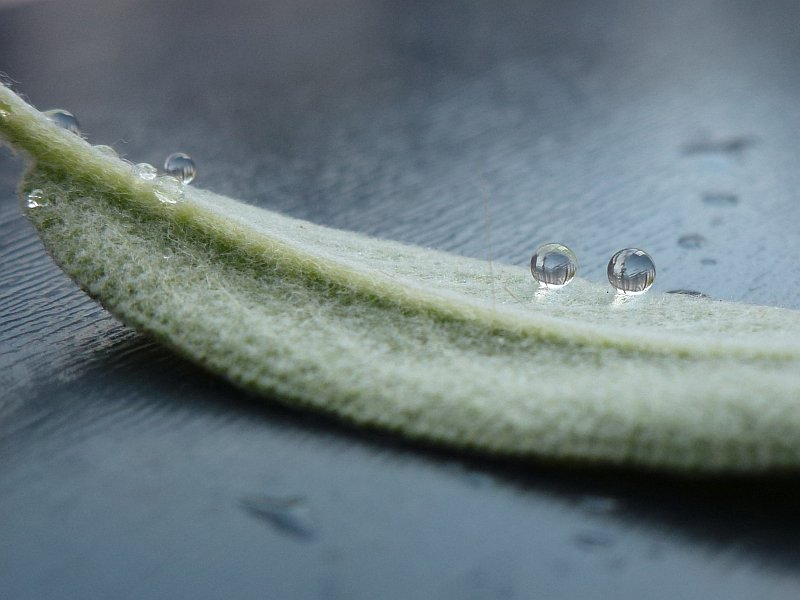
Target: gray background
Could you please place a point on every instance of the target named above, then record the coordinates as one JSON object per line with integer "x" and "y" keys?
{"x": 475, "y": 127}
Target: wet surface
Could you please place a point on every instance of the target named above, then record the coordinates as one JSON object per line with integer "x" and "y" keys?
{"x": 126, "y": 472}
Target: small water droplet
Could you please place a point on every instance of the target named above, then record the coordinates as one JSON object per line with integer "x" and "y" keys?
{"x": 631, "y": 271}
{"x": 708, "y": 261}
{"x": 691, "y": 241}
{"x": 181, "y": 166}
{"x": 289, "y": 515}
{"x": 168, "y": 189}
{"x": 478, "y": 480}
{"x": 594, "y": 539}
{"x": 64, "y": 118}
{"x": 720, "y": 199}
{"x": 35, "y": 199}
{"x": 731, "y": 145}
{"x": 598, "y": 505}
{"x": 106, "y": 150}
{"x": 145, "y": 171}
{"x": 553, "y": 265}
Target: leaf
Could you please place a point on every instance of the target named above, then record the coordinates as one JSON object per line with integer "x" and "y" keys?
{"x": 429, "y": 345}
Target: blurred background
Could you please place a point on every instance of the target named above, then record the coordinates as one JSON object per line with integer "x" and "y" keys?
{"x": 481, "y": 128}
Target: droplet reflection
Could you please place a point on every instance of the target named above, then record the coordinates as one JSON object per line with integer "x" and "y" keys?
{"x": 35, "y": 199}
{"x": 631, "y": 271}
{"x": 554, "y": 265}
{"x": 181, "y": 167}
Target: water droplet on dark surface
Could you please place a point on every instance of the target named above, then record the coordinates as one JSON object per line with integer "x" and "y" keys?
{"x": 598, "y": 505}
{"x": 631, "y": 271}
{"x": 64, "y": 118}
{"x": 553, "y": 265}
{"x": 721, "y": 199}
{"x": 594, "y": 539}
{"x": 478, "y": 480}
{"x": 730, "y": 145}
{"x": 691, "y": 241}
{"x": 288, "y": 515}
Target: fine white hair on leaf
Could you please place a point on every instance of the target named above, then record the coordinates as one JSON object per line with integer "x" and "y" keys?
{"x": 414, "y": 341}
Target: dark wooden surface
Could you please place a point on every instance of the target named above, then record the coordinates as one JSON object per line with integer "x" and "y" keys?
{"x": 479, "y": 128}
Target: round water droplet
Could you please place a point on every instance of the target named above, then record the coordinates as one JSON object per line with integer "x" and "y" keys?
{"x": 35, "y": 199}
{"x": 107, "y": 150}
{"x": 145, "y": 171}
{"x": 181, "y": 166}
{"x": 691, "y": 241}
{"x": 64, "y": 118}
{"x": 553, "y": 265}
{"x": 631, "y": 271}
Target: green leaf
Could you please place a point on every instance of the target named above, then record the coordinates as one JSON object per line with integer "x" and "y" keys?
{"x": 426, "y": 344}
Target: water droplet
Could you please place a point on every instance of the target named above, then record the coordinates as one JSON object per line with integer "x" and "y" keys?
{"x": 35, "y": 199}
{"x": 64, "y": 118}
{"x": 106, "y": 150}
{"x": 631, "y": 271}
{"x": 553, "y": 265}
{"x": 5, "y": 109}
{"x": 478, "y": 480}
{"x": 720, "y": 199}
{"x": 691, "y": 241}
{"x": 731, "y": 145}
{"x": 181, "y": 166}
{"x": 289, "y": 515}
{"x": 168, "y": 189}
{"x": 598, "y": 505}
{"x": 595, "y": 539}
{"x": 145, "y": 171}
